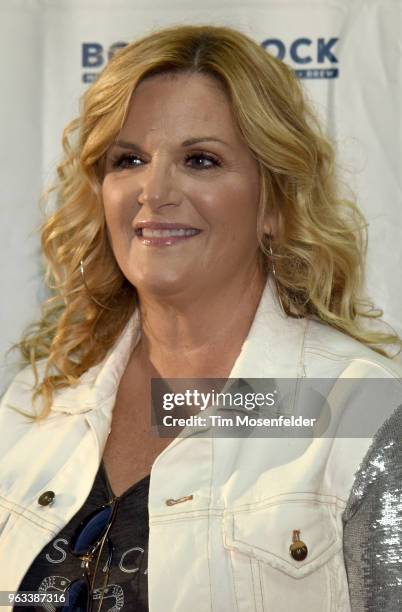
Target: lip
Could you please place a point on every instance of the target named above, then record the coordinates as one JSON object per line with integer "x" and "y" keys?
{"x": 163, "y": 240}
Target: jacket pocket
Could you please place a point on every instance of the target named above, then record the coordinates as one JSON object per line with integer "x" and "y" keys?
{"x": 267, "y": 577}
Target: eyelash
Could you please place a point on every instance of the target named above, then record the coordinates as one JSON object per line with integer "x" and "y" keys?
{"x": 119, "y": 161}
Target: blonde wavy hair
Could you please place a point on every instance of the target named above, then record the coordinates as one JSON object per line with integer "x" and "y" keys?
{"x": 320, "y": 243}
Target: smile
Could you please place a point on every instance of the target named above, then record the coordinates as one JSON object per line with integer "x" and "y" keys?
{"x": 162, "y": 233}
{"x": 164, "y": 237}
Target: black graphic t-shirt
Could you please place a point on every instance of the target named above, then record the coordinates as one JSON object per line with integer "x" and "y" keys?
{"x": 54, "y": 568}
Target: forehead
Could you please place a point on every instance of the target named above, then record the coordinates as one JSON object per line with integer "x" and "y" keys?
{"x": 180, "y": 103}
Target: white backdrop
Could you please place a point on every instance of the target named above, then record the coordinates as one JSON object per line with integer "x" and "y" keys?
{"x": 347, "y": 53}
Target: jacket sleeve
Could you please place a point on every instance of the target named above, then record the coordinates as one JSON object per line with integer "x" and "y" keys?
{"x": 372, "y": 536}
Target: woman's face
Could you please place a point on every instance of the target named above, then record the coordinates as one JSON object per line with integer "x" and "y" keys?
{"x": 181, "y": 190}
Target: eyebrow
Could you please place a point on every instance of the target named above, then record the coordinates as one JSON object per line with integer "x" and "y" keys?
{"x": 124, "y": 144}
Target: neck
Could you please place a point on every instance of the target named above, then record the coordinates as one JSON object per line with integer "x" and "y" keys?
{"x": 199, "y": 337}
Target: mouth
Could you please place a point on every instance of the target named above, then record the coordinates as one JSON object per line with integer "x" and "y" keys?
{"x": 164, "y": 234}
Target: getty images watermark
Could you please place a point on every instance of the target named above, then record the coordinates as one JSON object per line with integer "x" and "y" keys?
{"x": 298, "y": 407}
{"x": 249, "y": 401}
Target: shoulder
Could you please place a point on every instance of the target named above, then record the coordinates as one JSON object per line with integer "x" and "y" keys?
{"x": 364, "y": 387}
{"x": 70, "y": 399}
{"x": 338, "y": 351}
{"x": 18, "y": 395}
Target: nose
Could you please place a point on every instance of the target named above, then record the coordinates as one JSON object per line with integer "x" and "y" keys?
{"x": 157, "y": 189}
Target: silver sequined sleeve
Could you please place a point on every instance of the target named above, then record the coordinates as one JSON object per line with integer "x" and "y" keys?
{"x": 372, "y": 538}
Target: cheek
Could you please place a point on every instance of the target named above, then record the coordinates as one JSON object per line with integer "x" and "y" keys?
{"x": 116, "y": 203}
{"x": 235, "y": 210}
{"x": 245, "y": 207}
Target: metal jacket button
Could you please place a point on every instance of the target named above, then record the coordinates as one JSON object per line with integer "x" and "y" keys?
{"x": 47, "y": 498}
{"x": 298, "y": 550}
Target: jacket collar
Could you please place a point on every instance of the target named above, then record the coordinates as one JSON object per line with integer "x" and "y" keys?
{"x": 100, "y": 382}
{"x": 274, "y": 345}
{"x": 273, "y": 348}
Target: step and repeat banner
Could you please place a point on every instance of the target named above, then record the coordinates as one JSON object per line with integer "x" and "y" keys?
{"x": 347, "y": 54}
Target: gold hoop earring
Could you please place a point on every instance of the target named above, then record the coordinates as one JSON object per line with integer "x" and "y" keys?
{"x": 82, "y": 270}
{"x": 274, "y": 273}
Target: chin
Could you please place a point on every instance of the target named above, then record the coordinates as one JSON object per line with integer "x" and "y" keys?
{"x": 161, "y": 285}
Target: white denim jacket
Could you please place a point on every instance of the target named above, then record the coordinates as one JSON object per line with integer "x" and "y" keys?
{"x": 226, "y": 548}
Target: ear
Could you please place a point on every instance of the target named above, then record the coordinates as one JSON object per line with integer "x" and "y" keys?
{"x": 271, "y": 223}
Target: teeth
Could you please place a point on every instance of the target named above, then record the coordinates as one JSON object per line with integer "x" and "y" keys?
{"x": 164, "y": 233}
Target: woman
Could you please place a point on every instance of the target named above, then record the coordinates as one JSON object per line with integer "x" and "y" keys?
{"x": 198, "y": 234}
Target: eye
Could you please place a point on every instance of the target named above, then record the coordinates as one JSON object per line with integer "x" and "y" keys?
{"x": 197, "y": 161}
{"x": 202, "y": 161}
{"x": 126, "y": 160}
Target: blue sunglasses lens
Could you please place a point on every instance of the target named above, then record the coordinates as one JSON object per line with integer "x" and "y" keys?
{"x": 77, "y": 592}
{"x": 91, "y": 531}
